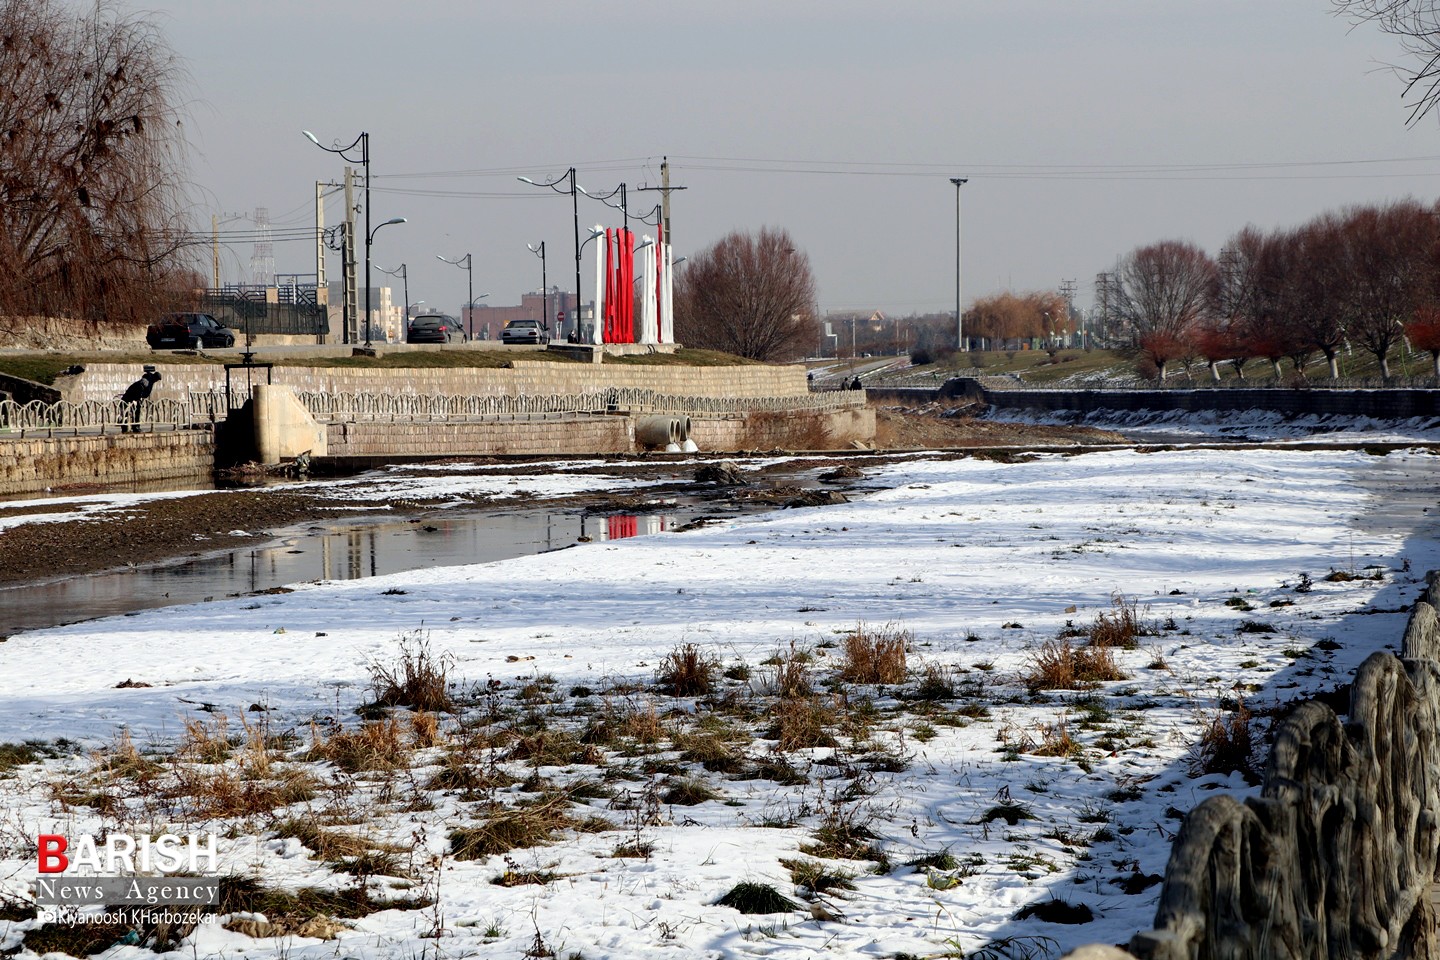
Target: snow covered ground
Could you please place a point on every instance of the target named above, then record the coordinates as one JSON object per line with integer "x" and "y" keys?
{"x": 1006, "y": 794}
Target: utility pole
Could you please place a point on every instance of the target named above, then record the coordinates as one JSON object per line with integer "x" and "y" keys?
{"x": 1102, "y": 299}
{"x": 347, "y": 254}
{"x": 1067, "y": 292}
{"x": 665, "y": 188}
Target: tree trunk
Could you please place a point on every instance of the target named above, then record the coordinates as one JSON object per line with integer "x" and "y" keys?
{"x": 1332, "y": 358}
{"x": 1384, "y": 366}
{"x": 1276, "y": 365}
{"x": 1214, "y": 371}
{"x": 1435, "y": 361}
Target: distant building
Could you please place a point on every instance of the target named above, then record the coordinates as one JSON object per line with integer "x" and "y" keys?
{"x": 484, "y": 322}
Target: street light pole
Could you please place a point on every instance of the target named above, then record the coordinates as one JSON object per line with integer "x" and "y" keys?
{"x": 363, "y": 142}
{"x": 959, "y": 317}
{"x": 544, "y": 289}
{"x": 404, "y": 276}
{"x": 575, "y": 212}
{"x": 469, "y": 290}
{"x": 369, "y": 239}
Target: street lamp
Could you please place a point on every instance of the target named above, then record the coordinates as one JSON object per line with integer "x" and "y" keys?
{"x": 544, "y": 290}
{"x": 369, "y": 239}
{"x": 624, "y": 207}
{"x": 363, "y": 142}
{"x": 575, "y": 211}
{"x": 959, "y": 321}
{"x": 404, "y": 276}
{"x": 468, "y": 263}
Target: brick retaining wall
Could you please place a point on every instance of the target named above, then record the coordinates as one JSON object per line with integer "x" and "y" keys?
{"x": 102, "y": 381}
{"x": 37, "y": 465}
{"x": 541, "y": 437}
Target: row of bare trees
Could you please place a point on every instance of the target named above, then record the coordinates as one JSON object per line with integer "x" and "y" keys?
{"x": 91, "y": 175}
{"x": 1009, "y": 317}
{"x": 1367, "y": 276}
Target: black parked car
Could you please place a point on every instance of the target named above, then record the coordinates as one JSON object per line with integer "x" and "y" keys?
{"x": 435, "y": 328}
{"x": 186, "y": 331}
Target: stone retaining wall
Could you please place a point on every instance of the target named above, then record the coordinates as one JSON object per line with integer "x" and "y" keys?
{"x": 38, "y": 465}
{"x": 598, "y": 434}
{"x": 524, "y": 378}
{"x": 1337, "y": 855}
{"x": 1386, "y": 404}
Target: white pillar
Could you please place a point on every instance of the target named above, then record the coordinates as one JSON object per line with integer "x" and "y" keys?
{"x": 648, "y": 329}
{"x": 596, "y": 330}
{"x": 667, "y": 294}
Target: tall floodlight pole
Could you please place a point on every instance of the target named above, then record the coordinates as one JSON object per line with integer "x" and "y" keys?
{"x": 959, "y": 321}
{"x": 363, "y": 142}
{"x": 468, "y": 264}
{"x": 575, "y": 212}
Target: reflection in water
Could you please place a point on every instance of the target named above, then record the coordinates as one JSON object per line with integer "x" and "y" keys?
{"x": 338, "y": 552}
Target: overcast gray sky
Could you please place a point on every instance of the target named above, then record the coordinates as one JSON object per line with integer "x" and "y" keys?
{"x": 1085, "y": 127}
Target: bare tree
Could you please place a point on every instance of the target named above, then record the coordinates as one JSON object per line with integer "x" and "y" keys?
{"x": 1417, "y": 24}
{"x": 90, "y": 159}
{"x": 1423, "y": 331}
{"x": 1161, "y": 294}
{"x": 1390, "y": 268}
{"x": 752, "y": 295}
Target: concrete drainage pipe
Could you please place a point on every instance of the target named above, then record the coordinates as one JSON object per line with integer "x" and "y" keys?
{"x": 658, "y": 431}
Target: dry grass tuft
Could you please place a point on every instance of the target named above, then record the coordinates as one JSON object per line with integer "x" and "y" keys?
{"x": 801, "y": 724}
{"x": 418, "y": 679}
{"x": 377, "y": 745}
{"x": 425, "y": 730}
{"x": 1118, "y": 627}
{"x": 875, "y": 654}
{"x": 688, "y": 672}
{"x": 1226, "y": 745}
{"x": 513, "y": 828}
{"x": 1058, "y": 665}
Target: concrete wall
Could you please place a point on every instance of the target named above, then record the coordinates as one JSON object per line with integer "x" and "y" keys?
{"x": 1338, "y": 854}
{"x": 33, "y": 466}
{"x": 525, "y": 377}
{"x": 284, "y": 429}
{"x": 787, "y": 431}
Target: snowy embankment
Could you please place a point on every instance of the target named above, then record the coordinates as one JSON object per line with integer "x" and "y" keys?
{"x": 1002, "y": 793}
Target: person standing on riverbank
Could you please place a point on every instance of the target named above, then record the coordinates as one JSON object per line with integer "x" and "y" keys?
{"x": 134, "y": 396}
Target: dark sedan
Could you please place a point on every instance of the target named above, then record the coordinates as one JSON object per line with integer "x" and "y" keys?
{"x": 435, "y": 328}
{"x": 186, "y": 331}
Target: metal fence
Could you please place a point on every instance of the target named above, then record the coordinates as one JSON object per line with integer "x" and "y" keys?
{"x": 19, "y": 420}
{"x": 356, "y": 407}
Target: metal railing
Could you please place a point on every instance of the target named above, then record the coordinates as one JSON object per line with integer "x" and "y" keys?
{"x": 18, "y": 420}
{"x": 354, "y": 407}
{"x": 209, "y": 407}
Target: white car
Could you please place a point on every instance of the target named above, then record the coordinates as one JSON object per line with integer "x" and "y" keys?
{"x": 522, "y": 331}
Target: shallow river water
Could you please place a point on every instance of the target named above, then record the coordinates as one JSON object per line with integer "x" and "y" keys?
{"x": 346, "y": 551}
